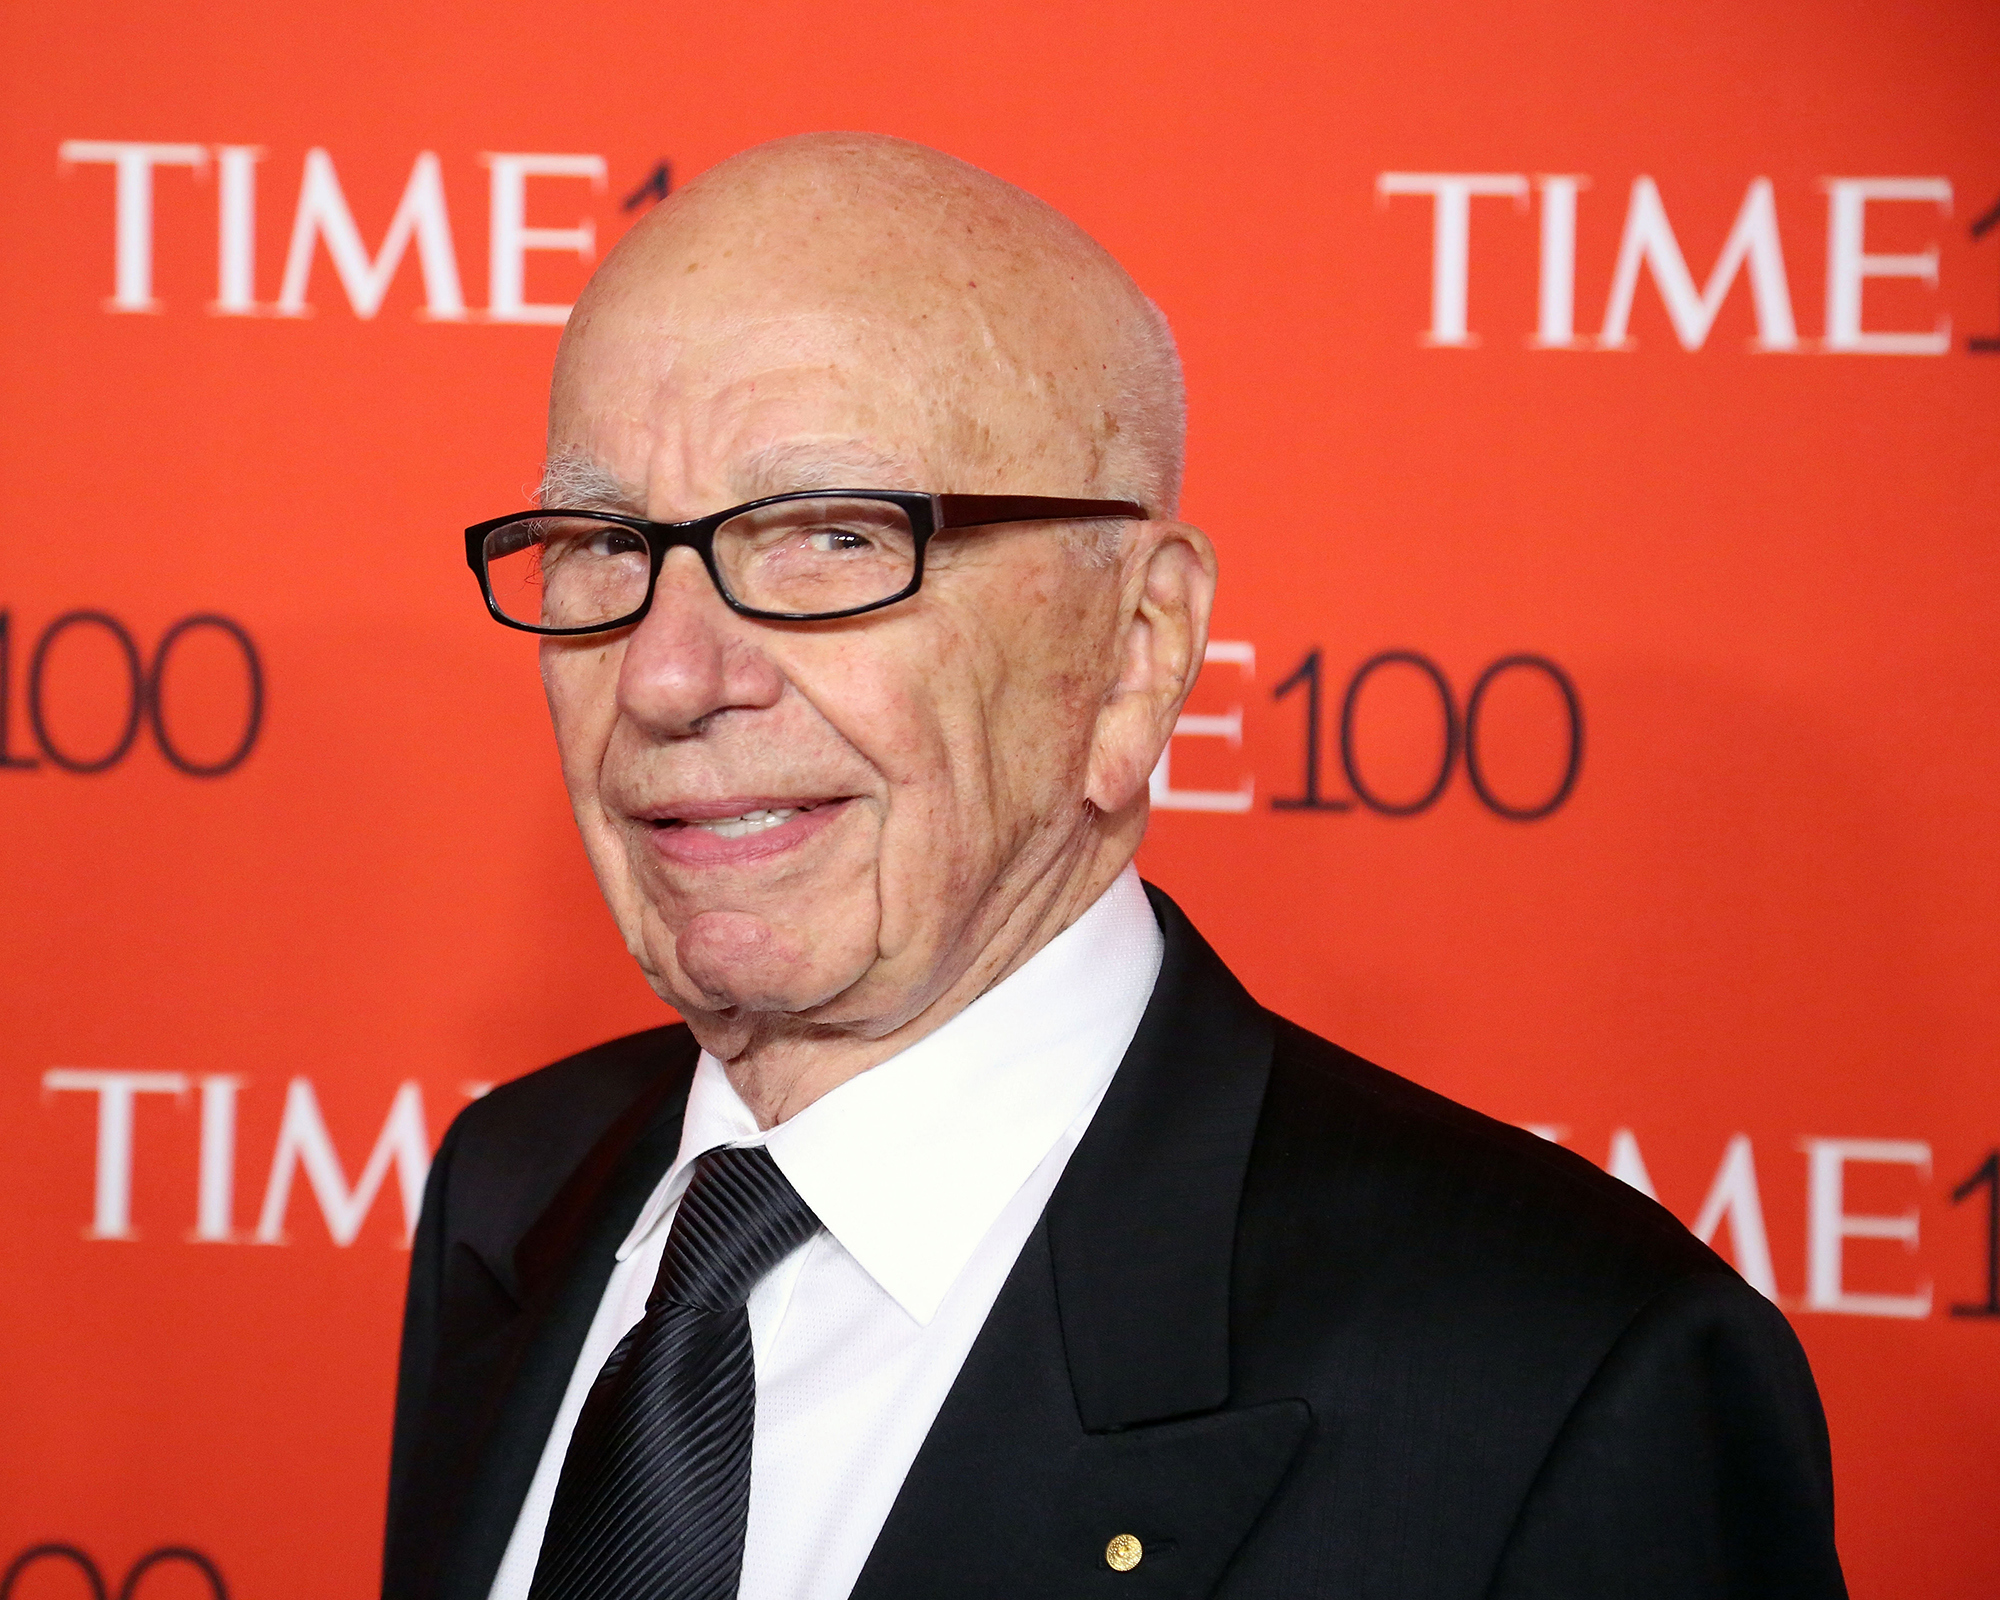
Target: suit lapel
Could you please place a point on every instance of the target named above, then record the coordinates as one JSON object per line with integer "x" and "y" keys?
{"x": 1095, "y": 1400}
{"x": 561, "y": 1265}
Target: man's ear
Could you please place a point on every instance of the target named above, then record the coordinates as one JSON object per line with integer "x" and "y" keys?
{"x": 1167, "y": 594}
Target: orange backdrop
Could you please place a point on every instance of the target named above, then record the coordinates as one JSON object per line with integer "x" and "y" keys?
{"x": 1573, "y": 387}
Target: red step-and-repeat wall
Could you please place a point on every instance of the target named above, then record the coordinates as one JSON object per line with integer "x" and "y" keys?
{"x": 1595, "y": 409}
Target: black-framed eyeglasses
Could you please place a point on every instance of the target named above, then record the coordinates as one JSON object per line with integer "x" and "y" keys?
{"x": 806, "y": 557}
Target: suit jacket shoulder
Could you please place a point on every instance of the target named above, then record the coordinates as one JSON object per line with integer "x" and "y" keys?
{"x": 1567, "y": 1391}
{"x": 526, "y": 1197}
{"x": 511, "y": 1151}
{"x": 1383, "y": 1178}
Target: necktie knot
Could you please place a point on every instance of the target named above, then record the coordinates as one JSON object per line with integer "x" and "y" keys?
{"x": 738, "y": 1219}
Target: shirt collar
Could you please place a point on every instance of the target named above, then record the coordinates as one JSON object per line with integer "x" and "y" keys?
{"x": 910, "y": 1163}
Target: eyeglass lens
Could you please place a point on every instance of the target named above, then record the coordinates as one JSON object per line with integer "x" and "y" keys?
{"x": 802, "y": 557}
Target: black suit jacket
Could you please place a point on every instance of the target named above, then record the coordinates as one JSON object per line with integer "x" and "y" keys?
{"x": 1304, "y": 1328}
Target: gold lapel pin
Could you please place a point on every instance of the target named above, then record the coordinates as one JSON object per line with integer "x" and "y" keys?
{"x": 1123, "y": 1553}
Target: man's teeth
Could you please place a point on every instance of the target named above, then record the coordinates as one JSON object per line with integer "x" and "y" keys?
{"x": 750, "y": 822}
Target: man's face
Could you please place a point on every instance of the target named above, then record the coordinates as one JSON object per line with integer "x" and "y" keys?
{"x": 827, "y": 820}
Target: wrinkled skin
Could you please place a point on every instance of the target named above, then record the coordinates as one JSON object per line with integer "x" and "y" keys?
{"x": 845, "y": 311}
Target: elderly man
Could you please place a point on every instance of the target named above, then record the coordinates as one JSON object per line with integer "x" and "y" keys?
{"x": 977, "y": 1235}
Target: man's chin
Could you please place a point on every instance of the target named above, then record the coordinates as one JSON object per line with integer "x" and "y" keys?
{"x": 738, "y": 962}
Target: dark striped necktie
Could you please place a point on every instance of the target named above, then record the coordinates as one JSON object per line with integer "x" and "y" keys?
{"x": 655, "y": 1489}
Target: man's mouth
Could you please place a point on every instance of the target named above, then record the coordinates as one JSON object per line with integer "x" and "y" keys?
{"x": 737, "y": 832}
{"x": 744, "y": 824}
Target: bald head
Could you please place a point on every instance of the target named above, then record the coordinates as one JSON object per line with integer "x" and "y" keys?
{"x": 1032, "y": 361}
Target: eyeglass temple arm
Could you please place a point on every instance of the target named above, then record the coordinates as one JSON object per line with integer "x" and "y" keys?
{"x": 977, "y": 510}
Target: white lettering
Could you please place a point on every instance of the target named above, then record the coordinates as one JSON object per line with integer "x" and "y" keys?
{"x": 236, "y": 230}
{"x": 511, "y": 238}
{"x": 323, "y": 214}
{"x": 215, "y": 1189}
{"x": 112, "y": 1214}
{"x": 1451, "y": 236}
{"x": 1555, "y": 327}
{"x": 1733, "y": 1194}
{"x": 304, "y": 1141}
{"x": 1627, "y": 1165}
{"x": 133, "y": 228}
{"x": 1227, "y": 726}
{"x": 1649, "y": 241}
{"x": 1829, "y": 1225}
{"x": 1848, "y": 265}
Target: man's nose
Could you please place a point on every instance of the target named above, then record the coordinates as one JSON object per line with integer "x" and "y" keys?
{"x": 692, "y": 657}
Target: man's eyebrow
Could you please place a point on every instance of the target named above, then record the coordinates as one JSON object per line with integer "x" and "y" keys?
{"x": 583, "y": 483}
{"x": 793, "y": 464}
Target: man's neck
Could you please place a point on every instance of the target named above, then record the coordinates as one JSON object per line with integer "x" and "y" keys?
{"x": 784, "y": 1065}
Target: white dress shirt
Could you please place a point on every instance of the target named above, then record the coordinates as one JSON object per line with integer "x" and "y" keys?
{"x": 929, "y": 1173}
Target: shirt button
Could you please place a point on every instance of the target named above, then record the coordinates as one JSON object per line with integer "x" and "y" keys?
{"x": 1123, "y": 1553}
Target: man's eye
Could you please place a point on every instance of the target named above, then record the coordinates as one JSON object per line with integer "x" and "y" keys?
{"x": 837, "y": 541}
{"x": 614, "y": 541}
{"x": 600, "y": 543}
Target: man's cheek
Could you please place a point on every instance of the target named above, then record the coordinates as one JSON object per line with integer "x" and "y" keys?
{"x": 581, "y": 682}
{"x": 899, "y": 728}
{"x": 1042, "y": 721}
{"x": 936, "y": 858}
{"x": 584, "y": 738}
